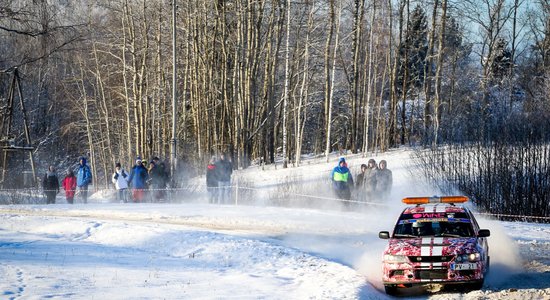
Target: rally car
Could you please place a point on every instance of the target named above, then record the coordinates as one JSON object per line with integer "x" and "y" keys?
{"x": 435, "y": 242}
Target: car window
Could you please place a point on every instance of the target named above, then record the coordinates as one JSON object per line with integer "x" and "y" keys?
{"x": 460, "y": 229}
{"x": 437, "y": 227}
{"x": 474, "y": 221}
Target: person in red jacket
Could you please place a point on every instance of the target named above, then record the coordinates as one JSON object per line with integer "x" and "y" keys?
{"x": 69, "y": 184}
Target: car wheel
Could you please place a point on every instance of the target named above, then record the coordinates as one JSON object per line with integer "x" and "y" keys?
{"x": 475, "y": 285}
{"x": 390, "y": 290}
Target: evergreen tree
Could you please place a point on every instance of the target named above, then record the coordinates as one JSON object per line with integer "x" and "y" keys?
{"x": 413, "y": 51}
{"x": 502, "y": 60}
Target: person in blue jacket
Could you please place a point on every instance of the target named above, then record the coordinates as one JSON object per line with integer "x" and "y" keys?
{"x": 83, "y": 179}
{"x": 138, "y": 180}
{"x": 342, "y": 180}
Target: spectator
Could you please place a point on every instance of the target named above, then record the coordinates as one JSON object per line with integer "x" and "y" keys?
{"x": 224, "y": 169}
{"x": 156, "y": 181}
{"x": 360, "y": 183}
{"x": 120, "y": 180}
{"x": 212, "y": 181}
{"x": 370, "y": 180}
{"x": 50, "y": 184}
{"x": 83, "y": 179}
{"x": 165, "y": 176}
{"x": 342, "y": 180}
{"x": 384, "y": 180}
{"x": 138, "y": 180}
{"x": 69, "y": 185}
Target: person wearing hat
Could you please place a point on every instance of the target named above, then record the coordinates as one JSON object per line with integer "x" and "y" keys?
{"x": 69, "y": 184}
{"x": 83, "y": 178}
{"x": 342, "y": 180}
{"x": 163, "y": 178}
{"x": 163, "y": 171}
{"x": 422, "y": 228}
{"x": 156, "y": 181}
{"x": 138, "y": 180}
{"x": 212, "y": 181}
{"x": 384, "y": 180}
{"x": 369, "y": 185}
{"x": 50, "y": 185}
{"x": 360, "y": 183}
{"x": 120, "y": 180}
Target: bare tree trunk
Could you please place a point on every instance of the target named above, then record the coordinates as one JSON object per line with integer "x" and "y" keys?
{"x": 356, "y": 89}
{"x": 437, "y": 104}
{"x": 335, "y": 22}
{"x": 125, "y": 25}
{"x": 287, "y": 79}
{"x": 328, "y": 81}
{"x": 428, "y": 76}
{"x": 141, "y": 83}
{"x": 513, "y": 45}
{"x": 392, "y": 126}
{"x": 405, "y": 85}
{"x": 105, "y": 106}
{"x": 304, "y": 90}
{"x": 159, "y": 123}
{"x": 370, "y": 78}
{"x": 89, "y": 122}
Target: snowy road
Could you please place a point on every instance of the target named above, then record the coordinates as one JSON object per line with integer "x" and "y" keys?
{"x": 200, "y": 251}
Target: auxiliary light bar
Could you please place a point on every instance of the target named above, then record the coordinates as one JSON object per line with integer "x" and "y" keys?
{"x": 435, "y": 199}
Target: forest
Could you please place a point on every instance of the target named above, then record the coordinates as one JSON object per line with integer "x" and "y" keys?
{"x": 267, "y": 81}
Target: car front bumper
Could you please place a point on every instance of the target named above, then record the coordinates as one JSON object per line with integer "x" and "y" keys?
{"x": 420, "y": 273}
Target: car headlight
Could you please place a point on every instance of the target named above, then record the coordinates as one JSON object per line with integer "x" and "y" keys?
{"x": 472, "y": 257}
{"x": 396, "y": 258}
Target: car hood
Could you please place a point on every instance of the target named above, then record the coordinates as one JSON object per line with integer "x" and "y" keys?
{"x": 431, "y": 246}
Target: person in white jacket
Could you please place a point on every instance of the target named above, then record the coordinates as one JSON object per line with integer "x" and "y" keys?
{"x": 120, "y": 180}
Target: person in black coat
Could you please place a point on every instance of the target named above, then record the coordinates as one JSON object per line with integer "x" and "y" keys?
{"x": 384, "y": 180}
{"x": 224, "y": 169}
{"x": 360, "y": 183}
{"x": 163, "y": 170}
{"x": 156, "y": 181}
{"x": 50, "y": 184}
{"x": 212, "y": 181}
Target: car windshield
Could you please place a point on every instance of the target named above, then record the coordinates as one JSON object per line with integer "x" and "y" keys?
{"x": 439, "y": 227}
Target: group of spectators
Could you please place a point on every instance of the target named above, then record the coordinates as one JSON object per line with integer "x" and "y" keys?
{"x": 374, "y": 182}
{"x": 144, "y": 179}
{"x": 71, "y": 183}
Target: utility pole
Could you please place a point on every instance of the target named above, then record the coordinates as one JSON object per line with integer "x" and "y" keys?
{"x": 173, "y": 144}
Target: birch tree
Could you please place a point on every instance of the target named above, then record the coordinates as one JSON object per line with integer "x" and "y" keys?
{"x": 335, "y": 22}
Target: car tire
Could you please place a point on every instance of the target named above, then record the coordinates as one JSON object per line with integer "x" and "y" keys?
{"x": 390, "y": 290}
{"x": 475, "y": 285}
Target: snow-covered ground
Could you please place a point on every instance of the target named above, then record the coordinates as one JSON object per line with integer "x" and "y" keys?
{"x": 195, "y": 250}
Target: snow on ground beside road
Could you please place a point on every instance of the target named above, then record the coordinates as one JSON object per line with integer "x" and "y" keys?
{"x": 80, "y": 256}
{"x": 194, "y": 250}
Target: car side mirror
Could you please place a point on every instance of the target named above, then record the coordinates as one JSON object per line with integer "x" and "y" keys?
{"x": 483, "y": 233}
{"x": 384, "y": 235}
